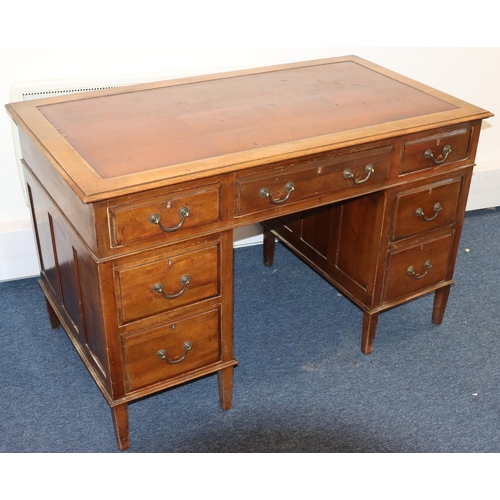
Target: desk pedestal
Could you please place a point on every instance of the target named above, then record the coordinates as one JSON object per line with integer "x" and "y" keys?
{"x": 382, "y": 249}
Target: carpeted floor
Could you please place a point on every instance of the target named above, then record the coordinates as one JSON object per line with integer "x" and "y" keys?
{"x": 301, "y": 385}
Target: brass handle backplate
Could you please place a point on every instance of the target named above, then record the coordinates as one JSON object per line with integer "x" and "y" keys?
{"x": 289, "y": 188}
{"x": 185, "y": 280}
{"x": 411, "y": 271}
{"x": 155, "y": 219}
{"x": 441, "y": 158}
{"x": 369, "y": 169}
{"x": 162, "y": 353}
{"x": 420, "y": 212}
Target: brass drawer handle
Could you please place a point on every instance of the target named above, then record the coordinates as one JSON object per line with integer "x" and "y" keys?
{"x": 411, "y": 271}
{"x": 420, "y": 212}
{"x": 162, "y": 353}
{"x": 185, "y": 280}
{"x": 444, "y": 154}
{"x": 369, "y": 169}
{"x": 265, "y": 193}
{"x": 155, "y": 219}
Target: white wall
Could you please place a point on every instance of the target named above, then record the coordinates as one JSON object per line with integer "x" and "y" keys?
{"x": 472, "y": 74}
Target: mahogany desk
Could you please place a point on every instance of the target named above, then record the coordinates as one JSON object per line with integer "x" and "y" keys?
{"x": 135, "y": 193}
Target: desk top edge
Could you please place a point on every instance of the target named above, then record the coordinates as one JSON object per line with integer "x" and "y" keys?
{"x": 89, "y": 186}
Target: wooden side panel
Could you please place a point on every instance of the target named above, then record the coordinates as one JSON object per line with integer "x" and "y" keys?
{"x": 70, "y": 280}
{"x": 43, "y": 227}
{"x": 91, "y": 310}
{"x": 360, "y": 237}
{"x": 67, "y": 271}
{"x": 316, "y": 229}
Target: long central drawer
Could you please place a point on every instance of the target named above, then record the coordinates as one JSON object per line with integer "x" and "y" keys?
{"x": 289, "y": 182}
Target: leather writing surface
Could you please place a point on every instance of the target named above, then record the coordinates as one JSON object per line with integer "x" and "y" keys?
{"x": 143, "y": 130}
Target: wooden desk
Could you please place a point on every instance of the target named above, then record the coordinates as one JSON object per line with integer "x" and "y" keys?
{"x": 135, "y": 193}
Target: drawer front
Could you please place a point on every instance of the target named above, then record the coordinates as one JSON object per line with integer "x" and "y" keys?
{"x": 416, "y": 268}
{"x": 428, "y": 208}
{"x": 434, "y": 150}
{"x": 166, "y": 216}
{"x": 290, "y": 183}
{"x": 172, "y": 350}
{"x": 166, "y": 282}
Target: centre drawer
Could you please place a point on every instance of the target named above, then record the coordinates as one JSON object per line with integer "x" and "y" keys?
{"x": 287, "y": 183}
{"x": 171, "y": 350}
{"x": 410, "y": 270}
{"x": 166, "y": 280}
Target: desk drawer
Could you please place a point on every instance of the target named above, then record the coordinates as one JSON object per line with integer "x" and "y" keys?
{"x": 288, "y": 182}
{"x": 413, "y": 269}
{"x": 430, "y": 207}
{"x": 165, "y": 216}
{"x": 171, "y": 350}
{"x": 436, "y": 149}
{"x": 166, "y": 281}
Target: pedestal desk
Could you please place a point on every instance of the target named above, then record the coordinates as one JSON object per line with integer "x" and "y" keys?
{"x": 135, "y": 193}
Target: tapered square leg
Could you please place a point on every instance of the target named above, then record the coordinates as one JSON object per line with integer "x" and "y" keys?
{"x": 54, "y": 320}
{"x": 225, "y": 380}
{"x": 120, "y": 421}
{"x": 440, "y": 301}
{"x": 368, "y": 335}
{"x": 269, "y": 246}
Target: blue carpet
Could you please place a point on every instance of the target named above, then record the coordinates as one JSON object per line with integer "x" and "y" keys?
{"x": 302, "y": 384}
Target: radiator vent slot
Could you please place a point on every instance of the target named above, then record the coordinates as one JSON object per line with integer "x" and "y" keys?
{"x": 41, "y": 94}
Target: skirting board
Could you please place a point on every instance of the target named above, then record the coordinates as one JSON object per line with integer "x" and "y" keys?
{"x": 484, "y": 190}
{"x": 18, "y": 257}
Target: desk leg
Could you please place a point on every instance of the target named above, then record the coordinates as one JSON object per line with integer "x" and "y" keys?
{"x": 440, "y": 301}
{"x": 225, "y": 379}
{"x": 120, "y": 421}
{"x": 369, "y": 328}
{"x": 54, "y": 320}
{"x": 269, "y": 245}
